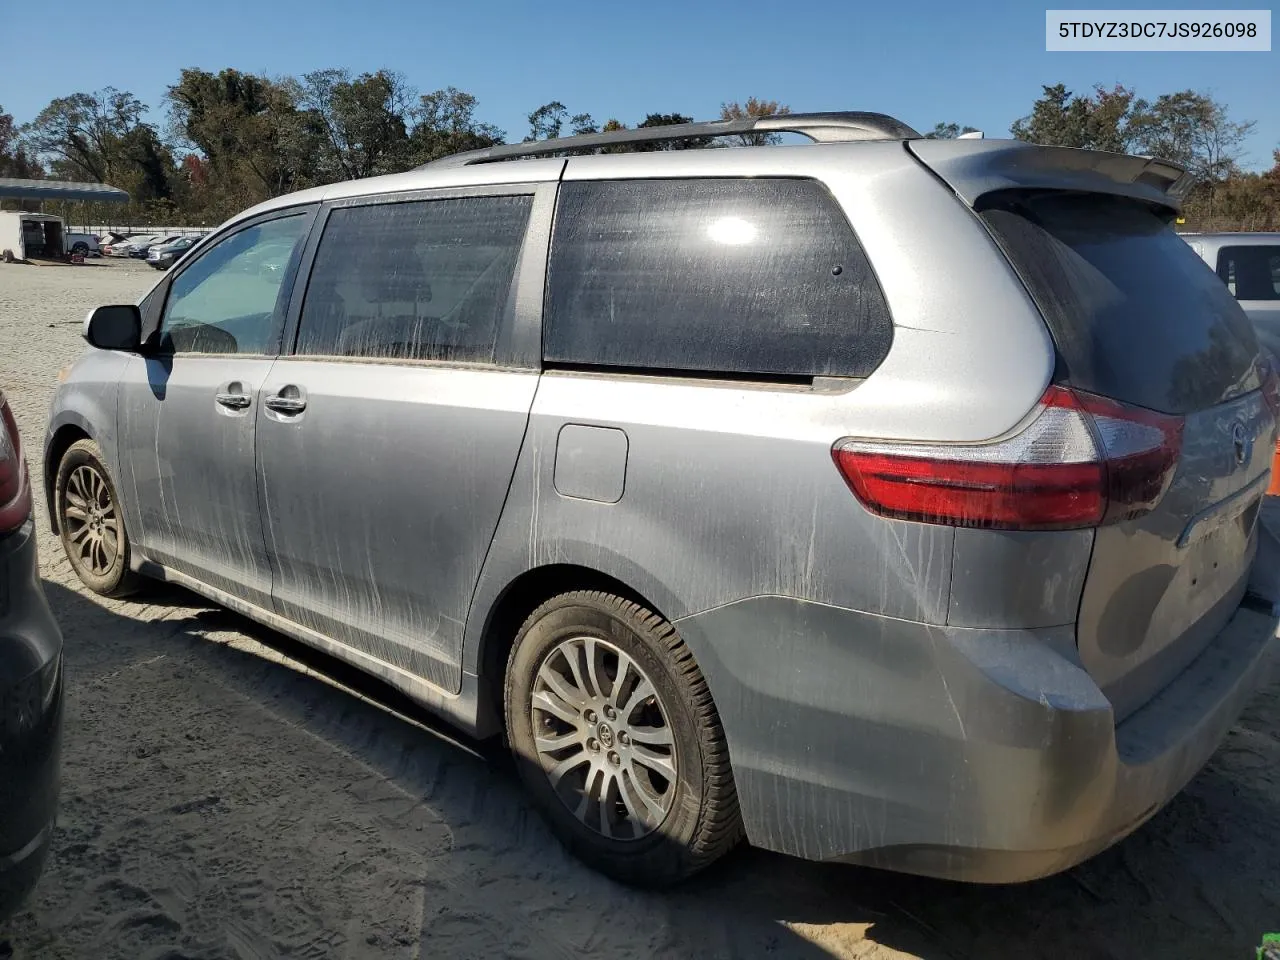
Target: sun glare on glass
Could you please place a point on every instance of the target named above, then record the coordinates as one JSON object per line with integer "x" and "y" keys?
{"x": 733, "y": 231}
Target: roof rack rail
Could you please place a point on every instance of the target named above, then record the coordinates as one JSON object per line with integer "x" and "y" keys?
{"x": 819, "y": 127}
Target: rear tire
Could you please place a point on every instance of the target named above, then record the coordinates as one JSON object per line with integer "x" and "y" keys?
{"x": 616, "y": 737}
{"x": 91, "y": 522}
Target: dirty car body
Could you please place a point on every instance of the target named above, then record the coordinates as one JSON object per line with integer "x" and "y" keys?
{"x": 968, "y": 586}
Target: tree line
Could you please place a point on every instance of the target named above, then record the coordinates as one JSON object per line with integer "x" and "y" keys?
{"x": 231, "y": 139}
{"x": 1189, "y": 128}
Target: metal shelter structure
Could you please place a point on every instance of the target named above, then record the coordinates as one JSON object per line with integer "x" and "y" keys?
{"x": 14, "y": 188}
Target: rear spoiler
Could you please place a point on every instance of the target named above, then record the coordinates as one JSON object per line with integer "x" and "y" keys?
{"x": 975, "y": 168}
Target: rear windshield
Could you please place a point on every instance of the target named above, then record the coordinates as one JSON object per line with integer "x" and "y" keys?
{"x": 1135, "y": 314}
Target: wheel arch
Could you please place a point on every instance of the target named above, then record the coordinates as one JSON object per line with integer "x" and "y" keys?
{"x": 61, "y": 437}
{"x": 509, "y": 609}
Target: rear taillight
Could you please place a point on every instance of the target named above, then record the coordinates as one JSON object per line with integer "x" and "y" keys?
{"x": 1081, "y": 461}
{"x": 15, "y": 490}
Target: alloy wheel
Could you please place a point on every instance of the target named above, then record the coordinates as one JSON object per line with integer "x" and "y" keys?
{"x": 89, "y": 517}
{"x": 603, "y": 738}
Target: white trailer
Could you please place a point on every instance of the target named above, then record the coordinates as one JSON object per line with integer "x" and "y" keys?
{"x": 32, "y": 235}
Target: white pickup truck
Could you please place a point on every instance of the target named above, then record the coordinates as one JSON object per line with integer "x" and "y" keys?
{"x": 85, "y": 244}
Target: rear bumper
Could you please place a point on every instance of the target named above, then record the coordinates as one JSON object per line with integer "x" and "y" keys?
{"x": 31, "y": 705}
{"x": 980, "y": 755}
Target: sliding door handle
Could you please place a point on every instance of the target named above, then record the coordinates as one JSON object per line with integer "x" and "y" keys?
{"x": 285, "y": 404}
{"x": 234, "y": 401}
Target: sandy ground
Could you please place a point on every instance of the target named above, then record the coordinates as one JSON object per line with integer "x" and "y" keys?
{"x": 229, "y": 793}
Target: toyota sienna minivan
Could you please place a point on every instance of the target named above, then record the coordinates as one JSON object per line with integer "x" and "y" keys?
{"x": 881, "y": 499}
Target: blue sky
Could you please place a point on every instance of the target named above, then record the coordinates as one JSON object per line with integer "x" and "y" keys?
{"x": 923, "y": 61}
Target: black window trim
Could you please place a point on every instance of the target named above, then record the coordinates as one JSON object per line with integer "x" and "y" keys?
{"x": 821, "y": 383}
{"x": 154, "y": 307}
{"x": 519, "y": 343}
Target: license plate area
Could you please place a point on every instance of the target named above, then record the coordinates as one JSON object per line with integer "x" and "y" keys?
{"x": 1241, "y": 507}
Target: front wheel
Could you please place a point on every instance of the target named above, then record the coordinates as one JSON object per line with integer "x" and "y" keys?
{"x": 91, "y": 523}
{"x": 616, "y": 737}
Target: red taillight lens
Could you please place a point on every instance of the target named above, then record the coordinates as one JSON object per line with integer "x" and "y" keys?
{"x": 1080, "y": 462}
{"x": 15, "y": 491}
{"x": 1003, "y": 496}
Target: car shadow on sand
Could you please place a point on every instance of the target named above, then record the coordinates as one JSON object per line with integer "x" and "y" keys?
{"x": 1199, "y": 880}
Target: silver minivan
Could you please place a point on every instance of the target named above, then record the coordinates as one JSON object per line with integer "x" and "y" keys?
{"x": 880, "y": 499}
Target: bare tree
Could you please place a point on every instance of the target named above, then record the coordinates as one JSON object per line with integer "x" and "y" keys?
{"x": 14, "y": 159}
{"x": 363, "y": 118}
{"x": 548, "y": 121}
{"x": 948, "y": 131}
{"x": 1097, "y": 121}
{"x": 82, "y": 134}
{"x": 1191, "y": 129}
{"x": 754, "y": 109}
{"x": 444, "y": 122}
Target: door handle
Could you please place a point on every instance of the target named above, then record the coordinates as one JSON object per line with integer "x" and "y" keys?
{"x": 285, "y": 404}
{"x": 234, "y": 401}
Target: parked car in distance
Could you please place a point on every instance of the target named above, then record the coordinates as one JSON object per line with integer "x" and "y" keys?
{"x": 139, "y": 251}
{"x": 1249, "y": 264}
{"x": 872, "y": 499}
{"x": 30, "y": 685}
{"x": 163, "y": 256}
{"x": 107, "y": 240}
{"x": 123, "y": 248}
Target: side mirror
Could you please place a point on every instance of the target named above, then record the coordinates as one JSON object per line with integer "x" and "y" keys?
{"x": 115, "y": 328}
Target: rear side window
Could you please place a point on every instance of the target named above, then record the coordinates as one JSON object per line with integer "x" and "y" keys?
{"x": 1135, "y": 314}
{"x": 417, "y": 280}
{"x": 726, "y": 276}
{"x": 1251, "y": 272}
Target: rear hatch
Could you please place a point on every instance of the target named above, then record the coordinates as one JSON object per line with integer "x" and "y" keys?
{"x": 1138, "y": 318}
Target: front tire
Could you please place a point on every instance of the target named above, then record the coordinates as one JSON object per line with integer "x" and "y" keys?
{"x": 91, "y": 523}
{"x": 617, "y": 739}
